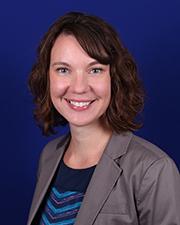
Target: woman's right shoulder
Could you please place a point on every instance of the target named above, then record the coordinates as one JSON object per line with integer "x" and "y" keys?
{"x": 53, "y": 146}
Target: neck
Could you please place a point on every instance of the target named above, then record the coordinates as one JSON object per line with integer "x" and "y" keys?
{"x": 87, "y": 145}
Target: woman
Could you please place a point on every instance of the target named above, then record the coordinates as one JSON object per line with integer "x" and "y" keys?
{"x": 99, "y": 173}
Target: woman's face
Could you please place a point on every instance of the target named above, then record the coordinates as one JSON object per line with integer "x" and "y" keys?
{"x": 80, "y": 87}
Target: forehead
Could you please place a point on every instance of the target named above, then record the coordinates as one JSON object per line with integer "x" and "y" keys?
{"x": 67, "y": 47}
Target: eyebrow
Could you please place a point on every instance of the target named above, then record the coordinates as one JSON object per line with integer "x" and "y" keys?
{"x": 66, "y": 64}
{"x": 60, "y": 63}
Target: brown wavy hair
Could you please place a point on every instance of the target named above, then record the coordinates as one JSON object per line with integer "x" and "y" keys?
{"x": 101, "y": 42}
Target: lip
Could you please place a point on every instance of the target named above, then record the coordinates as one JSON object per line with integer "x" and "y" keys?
{"x": 79, "y": 107}
{"x": 79, "y": 100}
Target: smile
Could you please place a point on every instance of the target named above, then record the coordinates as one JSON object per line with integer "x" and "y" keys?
{"x": 79, "y": 104}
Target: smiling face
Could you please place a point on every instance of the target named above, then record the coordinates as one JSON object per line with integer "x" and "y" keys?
{"x": 80, "y": 87}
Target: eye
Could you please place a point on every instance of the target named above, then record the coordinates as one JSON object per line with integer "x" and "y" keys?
{"x": 62, "y": 70}
{"x": 96, "y": 70}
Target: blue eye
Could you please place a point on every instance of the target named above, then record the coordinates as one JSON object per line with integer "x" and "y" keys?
{"x": 62, "y": 70}
{"x": 96, "y": 70}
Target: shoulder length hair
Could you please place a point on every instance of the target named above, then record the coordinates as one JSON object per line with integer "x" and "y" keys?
{"x": 101, "y": 42}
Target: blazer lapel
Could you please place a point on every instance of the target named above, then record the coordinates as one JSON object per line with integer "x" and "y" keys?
{"x": 103, "y": 180}
{"x": 48, "y": 171}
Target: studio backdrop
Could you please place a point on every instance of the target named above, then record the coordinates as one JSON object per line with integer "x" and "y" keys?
{"x": 149, "y": 29}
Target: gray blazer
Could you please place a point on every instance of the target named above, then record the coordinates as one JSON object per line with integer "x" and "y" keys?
{"x": 134, "y": 183}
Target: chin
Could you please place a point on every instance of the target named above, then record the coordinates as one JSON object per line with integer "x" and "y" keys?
{"x": 84, "y": 123}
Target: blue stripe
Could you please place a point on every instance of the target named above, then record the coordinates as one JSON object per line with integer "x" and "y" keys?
{"x": 63, "y": 209}
{"x": 63, "y": 195}
{"x": 63, "y": 222}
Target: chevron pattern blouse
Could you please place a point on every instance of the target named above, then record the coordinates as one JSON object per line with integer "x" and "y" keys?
{"x": 65, "y": 196}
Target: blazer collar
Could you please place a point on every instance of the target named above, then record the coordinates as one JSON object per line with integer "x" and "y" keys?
{"x": 48, "y": 169}
{"x": 118, "y": 144}
{"x": 103, "y": 180}
{"x": 104, "y": 177}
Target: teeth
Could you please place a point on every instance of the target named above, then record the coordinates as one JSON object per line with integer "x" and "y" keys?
{"x": 80, "y": 104}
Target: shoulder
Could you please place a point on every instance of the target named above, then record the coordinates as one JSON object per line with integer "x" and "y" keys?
{"x": 142, "y": 149}
{"x": 131, "y": 145}
{"x": 142, "y": 156}
{"x": 54, "y": 145}
{"x": 148, "y": 168}
{"x": 145, "y": 149}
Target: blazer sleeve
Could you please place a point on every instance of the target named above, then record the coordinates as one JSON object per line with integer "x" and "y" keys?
{"x": 159, "y": 194}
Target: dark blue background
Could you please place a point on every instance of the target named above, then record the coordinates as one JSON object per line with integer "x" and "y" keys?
{"x": 151, "y": 31}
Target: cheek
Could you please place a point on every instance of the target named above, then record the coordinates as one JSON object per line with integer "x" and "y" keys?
{"x": 57, "y": 88}
{"x": 104, "y": 89}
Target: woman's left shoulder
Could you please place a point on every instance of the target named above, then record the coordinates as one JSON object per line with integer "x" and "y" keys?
{"x": 146, "y": 151}
{"x": 146, "y": 155}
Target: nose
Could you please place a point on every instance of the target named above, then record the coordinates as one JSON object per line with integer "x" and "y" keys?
{"x": 79, "y": 83}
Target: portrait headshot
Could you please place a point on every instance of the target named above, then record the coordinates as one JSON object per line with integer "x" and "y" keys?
{"x": 99, "y": 172}
{"x": 94, "y": 117}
